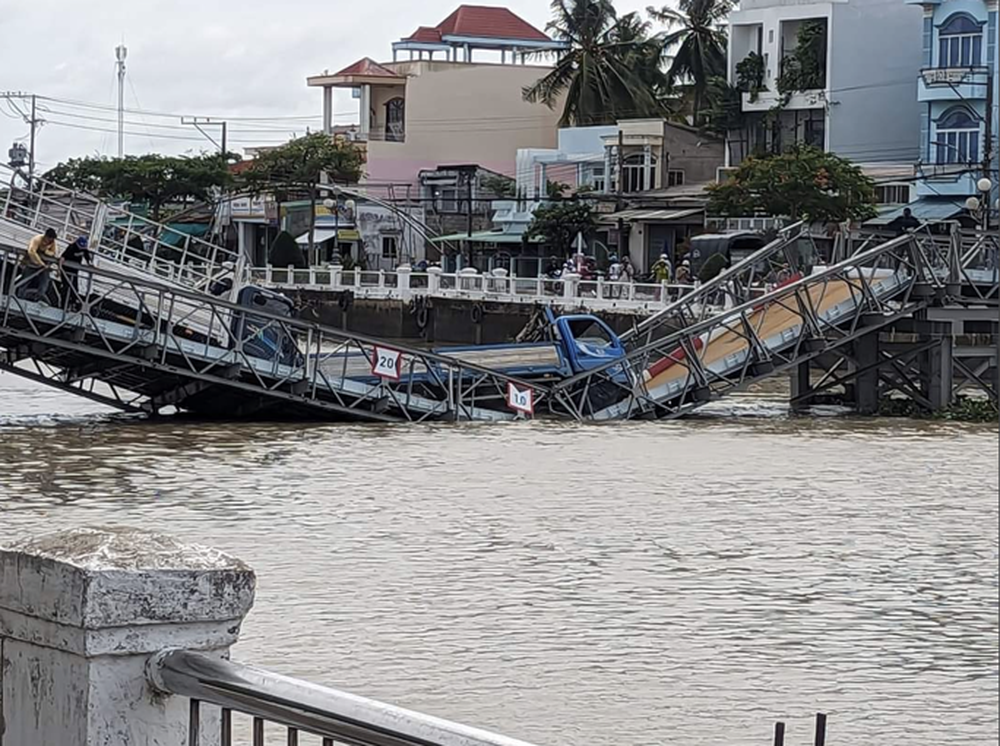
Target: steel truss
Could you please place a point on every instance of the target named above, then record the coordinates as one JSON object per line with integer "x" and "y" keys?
{"x": 821, "y": 313}
{"x": 142, "y": 345}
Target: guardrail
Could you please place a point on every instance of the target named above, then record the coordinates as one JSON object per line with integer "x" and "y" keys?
{"x": 403, "y": 284}
{"x": 299, "y": 708}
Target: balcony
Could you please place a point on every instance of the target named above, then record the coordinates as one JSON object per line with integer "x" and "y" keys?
{"x": 799, "y": 100}
{"x": 953, "y": 83}
{"x": 947, "y": 179}
{"x": 380, "y": 134}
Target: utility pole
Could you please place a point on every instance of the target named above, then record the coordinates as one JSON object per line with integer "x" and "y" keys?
{"x": 31, "y": 120}
{"x": 199, "y": 123}
{"x": 121, "y": 52}
{"x": 31, "y": 146}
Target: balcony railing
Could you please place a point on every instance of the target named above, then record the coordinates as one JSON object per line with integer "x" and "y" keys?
{"x": 949, "y": 76}
{"x": 380, "y": 134}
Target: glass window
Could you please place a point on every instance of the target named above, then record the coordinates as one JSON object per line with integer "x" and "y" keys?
{"x": 390, "y": 248}
{"x": 957, "y": 137}
{"x": 638, "y": 177}
{"x": 675, "y": 177}
{"x": 395, "y": 120}
{"x": 960, "y": 42}
{"x": 597, "y": 178}
{"x": 590, "y": 332}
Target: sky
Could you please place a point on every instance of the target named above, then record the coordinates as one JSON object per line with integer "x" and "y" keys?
{"x": 217, "y": 58}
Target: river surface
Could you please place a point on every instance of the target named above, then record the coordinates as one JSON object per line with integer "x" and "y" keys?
{"x": 626, "y": 585}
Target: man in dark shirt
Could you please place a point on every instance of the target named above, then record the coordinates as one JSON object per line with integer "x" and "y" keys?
{"x": 76, "y": 253}
{"x": 905, "y": 222}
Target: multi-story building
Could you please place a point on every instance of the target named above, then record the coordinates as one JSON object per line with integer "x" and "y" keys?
{"x": 442, "y": 105}
{"x": 836, "y": 74}
{"x": 958, "y": 89}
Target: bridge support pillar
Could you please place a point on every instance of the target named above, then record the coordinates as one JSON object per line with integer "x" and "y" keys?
{"x": 801, "y": 386}
{"x": 82, "y": 611}
{"x": 937, "y": 372}
{"x": 866, "y": 354}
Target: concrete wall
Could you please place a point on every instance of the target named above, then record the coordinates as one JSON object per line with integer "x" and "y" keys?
{"x": 698, "y": 155}
{"x": 876, "y": 56}
{"x": 447, "y": 321}
{"x": 462, "y": 113}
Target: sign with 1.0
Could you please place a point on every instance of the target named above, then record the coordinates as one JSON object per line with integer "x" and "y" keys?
{"x": 386, "y": 363}
{"x": 520, "y": 400}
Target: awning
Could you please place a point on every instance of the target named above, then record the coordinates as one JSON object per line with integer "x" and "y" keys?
{"x": 484, "y": 237}
{"x": 924, "y": 210}
{"x": 650, "y": 215}
{"x": 177, "y": 232}
{"x": 325, "y": 234}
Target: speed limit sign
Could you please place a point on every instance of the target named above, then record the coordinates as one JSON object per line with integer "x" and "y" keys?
{"x": 386, "y": 363}
{"x": 520, "y": 400}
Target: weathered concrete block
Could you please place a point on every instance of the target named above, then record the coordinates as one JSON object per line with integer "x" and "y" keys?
{"x": 80, "y": 613}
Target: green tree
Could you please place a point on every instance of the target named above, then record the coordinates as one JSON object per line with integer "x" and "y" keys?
{"x": 153, "y": 180}
{"x": 609, "y": 70}
{"x": 804, "y": 183}
{"x": 697, "y": 45}
{"x": 500, "y": 186}
{"x": 559, "y": 224}
{"x": 298, "y": 167}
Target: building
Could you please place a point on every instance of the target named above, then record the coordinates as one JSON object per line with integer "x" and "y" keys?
{"x": 442, "y": 105}
{"x": 958, "y": 93}
{"x": 662, "y": 168}
{"x": 836, "y": 74}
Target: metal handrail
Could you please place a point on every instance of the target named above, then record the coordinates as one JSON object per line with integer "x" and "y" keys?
{"x": 301, "y": 706}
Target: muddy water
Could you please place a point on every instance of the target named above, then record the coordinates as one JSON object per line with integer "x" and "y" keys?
{"x": 623, "y": 585}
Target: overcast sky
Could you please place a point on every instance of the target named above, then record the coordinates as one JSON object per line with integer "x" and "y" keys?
{"x": 223, "y": 58}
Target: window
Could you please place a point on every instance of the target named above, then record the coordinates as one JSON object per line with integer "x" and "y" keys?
{"x": 892, "y": 194}
{"x": 390, "y": 248}
{"x": 637, "y": 175}
{"x": 597, "y": 178}
{"x": 395, "y": 128}
{"x": 960, "y": 42}
{"x": 957, "y": 137}
{"x": 447, "y": 199}
{"x": 675, "y": 177}
{"x": 814, "y": 133}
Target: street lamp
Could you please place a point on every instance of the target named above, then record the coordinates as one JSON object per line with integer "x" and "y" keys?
{"x": 333, "y": 206}
{"x": 979, "y": 207}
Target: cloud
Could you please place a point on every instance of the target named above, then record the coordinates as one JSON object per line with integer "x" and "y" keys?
{"x": 216, "y": 58}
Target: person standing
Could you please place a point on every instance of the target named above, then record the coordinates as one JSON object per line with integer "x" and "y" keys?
{"x": 34, "y": 281}
{"x": 77, "y": 253}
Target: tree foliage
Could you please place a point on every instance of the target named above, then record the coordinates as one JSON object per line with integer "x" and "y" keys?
{"x": 804, "y": 183}
{"x": 697, "y": 45}
{"x": 298, "y": 164}
{"x": 154, "y": 180}
{"x": 559, "y": 223}
{"x": 610, "y": 69}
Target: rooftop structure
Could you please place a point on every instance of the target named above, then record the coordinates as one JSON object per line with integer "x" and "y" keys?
{"x": 472, "y": 27}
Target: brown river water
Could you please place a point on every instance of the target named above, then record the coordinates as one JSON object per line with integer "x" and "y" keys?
{"x": 626, "y": 585}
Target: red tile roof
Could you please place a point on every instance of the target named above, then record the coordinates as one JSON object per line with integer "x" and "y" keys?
{"x": 368, "y": 67}
{"x": 483, "y": 22}
{"x": 425, "y": 34}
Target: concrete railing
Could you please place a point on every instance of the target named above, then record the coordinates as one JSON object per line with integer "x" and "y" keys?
{"x": 122, "y": 636}
{"x": 404, "y": 284}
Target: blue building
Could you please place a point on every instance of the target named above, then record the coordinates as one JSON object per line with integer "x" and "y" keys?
{"x": 958, "y": 95}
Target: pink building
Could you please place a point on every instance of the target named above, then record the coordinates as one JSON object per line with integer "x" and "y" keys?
{"x": 442, "y": 105}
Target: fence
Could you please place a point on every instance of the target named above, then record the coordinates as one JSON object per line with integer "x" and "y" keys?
{"x": 403, "y": 284}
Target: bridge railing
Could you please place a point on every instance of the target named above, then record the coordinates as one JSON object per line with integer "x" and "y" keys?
{"x": 116, "y": 234}
{"x": 291, "y": 709}
{"x": 404, "y": 284}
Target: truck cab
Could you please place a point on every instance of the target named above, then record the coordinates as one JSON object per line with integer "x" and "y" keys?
{"x": 586, "y": 341}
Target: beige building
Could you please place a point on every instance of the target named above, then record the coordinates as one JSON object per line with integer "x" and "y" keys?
{"x": 442, "y": 106}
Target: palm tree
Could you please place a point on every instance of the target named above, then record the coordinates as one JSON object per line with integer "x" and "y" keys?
{"x": 609, "y": 70}
{"x": 700, "y": 42}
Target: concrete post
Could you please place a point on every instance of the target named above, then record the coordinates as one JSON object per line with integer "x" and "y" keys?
{"x": 866, "y": 353}
{"x": 936, "y": 365}
{"x": 81, "y": 613}
{"x": 433, "y": 280}
{"x": 801, "y": 385}
{"x": 403, "y": 281}
{"x": 328, "y": 109}
{"x": 571, "y": 283}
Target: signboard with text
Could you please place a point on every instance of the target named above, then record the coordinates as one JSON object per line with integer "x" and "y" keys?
{"x": 520, "y": 400}
{"x": 386, "y": 363}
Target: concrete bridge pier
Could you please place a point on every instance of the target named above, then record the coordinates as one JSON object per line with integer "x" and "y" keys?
{"x": 81, "y": 613}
